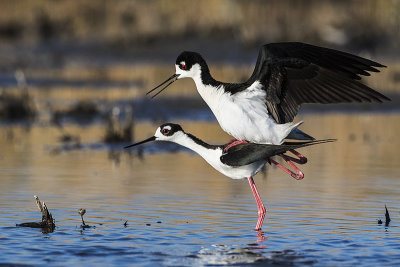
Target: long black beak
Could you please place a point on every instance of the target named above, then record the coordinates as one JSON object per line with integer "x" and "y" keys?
{"x": 173, "y": 78}
{"x": 142, "y": 142}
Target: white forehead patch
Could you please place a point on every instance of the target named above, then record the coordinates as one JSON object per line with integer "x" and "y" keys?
{"x": 167, "y": 127}
{"x": 182, "y": 63}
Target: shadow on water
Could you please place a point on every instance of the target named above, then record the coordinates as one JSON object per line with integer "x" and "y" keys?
{"x": 251, "y": 254}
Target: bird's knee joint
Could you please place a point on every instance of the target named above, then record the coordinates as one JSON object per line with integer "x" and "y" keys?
{"x": 262, "y": 211}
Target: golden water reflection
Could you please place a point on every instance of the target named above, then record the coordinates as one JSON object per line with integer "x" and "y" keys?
{"x": 362, "y": 165}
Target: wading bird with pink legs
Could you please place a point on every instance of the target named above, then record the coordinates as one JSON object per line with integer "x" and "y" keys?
{"x": 237, "y": 162}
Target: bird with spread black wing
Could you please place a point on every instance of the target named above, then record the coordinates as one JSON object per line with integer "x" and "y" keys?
{"x": 261, "y": 110}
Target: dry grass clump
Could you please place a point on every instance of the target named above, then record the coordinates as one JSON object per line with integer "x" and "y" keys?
{"x": 117, "y": 129}
{"x": 16, "y": 106}
{"x": 125, "y": 22}
{"x": 82, "y": 111}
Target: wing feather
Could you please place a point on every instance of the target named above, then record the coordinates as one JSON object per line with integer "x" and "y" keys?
{"x": 244, "y": 154}
{"x": 297, "y": 73}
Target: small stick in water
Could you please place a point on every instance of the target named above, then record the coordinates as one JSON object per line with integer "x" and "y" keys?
{"x": 387, "y": 217}
{"x": 47, "y": 223}
{"x": 84, "y": 225}
{"x": 82, "y": 212}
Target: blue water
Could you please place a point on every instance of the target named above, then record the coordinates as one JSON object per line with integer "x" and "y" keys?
{"x": 187, "y": 231}
{"x": 180, "y": 212}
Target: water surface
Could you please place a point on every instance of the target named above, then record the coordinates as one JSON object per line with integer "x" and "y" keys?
{"x": 179, "y": 211}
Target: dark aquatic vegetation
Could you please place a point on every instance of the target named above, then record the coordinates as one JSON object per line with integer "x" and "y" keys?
{"x": 387, "y": 217}
{"x": 84, "y": 225}
{"x": 17, "y": 106}
{"x": 47, "y": 224}
{"x": 118, "y": 130}
{"x": 81, "y": 112}
{"x": 82, "y": 212}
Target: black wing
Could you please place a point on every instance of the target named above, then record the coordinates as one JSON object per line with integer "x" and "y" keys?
{"x": 297, "y": 73}
{"x": 244, "y": 154}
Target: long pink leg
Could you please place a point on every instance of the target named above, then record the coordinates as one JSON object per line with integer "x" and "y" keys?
{"x": 298, "y": 175}
{"x": 260, "y": 205}
{"x": 301, "y": 159}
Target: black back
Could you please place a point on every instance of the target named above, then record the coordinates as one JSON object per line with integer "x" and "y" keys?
{"x": 248, "y": 153}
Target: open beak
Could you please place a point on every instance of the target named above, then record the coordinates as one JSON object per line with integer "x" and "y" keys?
{"x": 142, "y": 142}
{"x": 171, "y": 79}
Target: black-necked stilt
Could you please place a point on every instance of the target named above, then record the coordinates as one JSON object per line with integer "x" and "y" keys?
{"x": 243, "y": 160}
{"x": 286, "y": 75}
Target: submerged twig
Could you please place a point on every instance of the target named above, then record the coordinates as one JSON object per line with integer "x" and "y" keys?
{"x": 387, "y": 217}
{"x": 47, "y": 223}
{"x": 82, "y": 212}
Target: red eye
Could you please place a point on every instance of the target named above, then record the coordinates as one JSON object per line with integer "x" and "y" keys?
{"x": 183, "y": 67}
{"x": 165, "y": 131}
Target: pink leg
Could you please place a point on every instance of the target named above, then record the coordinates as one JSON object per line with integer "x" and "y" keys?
{"x": 260, "y": 205}
{"x": 235, "y": 142}
{"x": 298, "y": 175}
{"x": 301, "y": 159}
{"x": 261, "y": 237}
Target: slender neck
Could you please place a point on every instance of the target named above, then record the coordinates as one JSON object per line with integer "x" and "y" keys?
{"x": 203, "y": 149}
{"x": 203, "y": 76}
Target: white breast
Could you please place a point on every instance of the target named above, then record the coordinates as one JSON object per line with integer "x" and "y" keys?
{"x": 244, "y": 115}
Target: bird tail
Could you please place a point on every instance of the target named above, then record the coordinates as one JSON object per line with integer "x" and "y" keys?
{"x": 248, "y": 153}
{"x": 286, "y": 146}
{"x": 297, "y": 134}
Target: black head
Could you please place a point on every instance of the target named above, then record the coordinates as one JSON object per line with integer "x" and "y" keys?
{"x": 165, "y": 132}
{"x": 169, "y": 129}
{"x": 184, "y": 68}
{"x": 187, "y": 59}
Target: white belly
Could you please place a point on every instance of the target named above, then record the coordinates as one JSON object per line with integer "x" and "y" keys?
{"x": 212, "y": 156}
{"x": 245, "y": 171}
{"x": 244, "y": 115}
